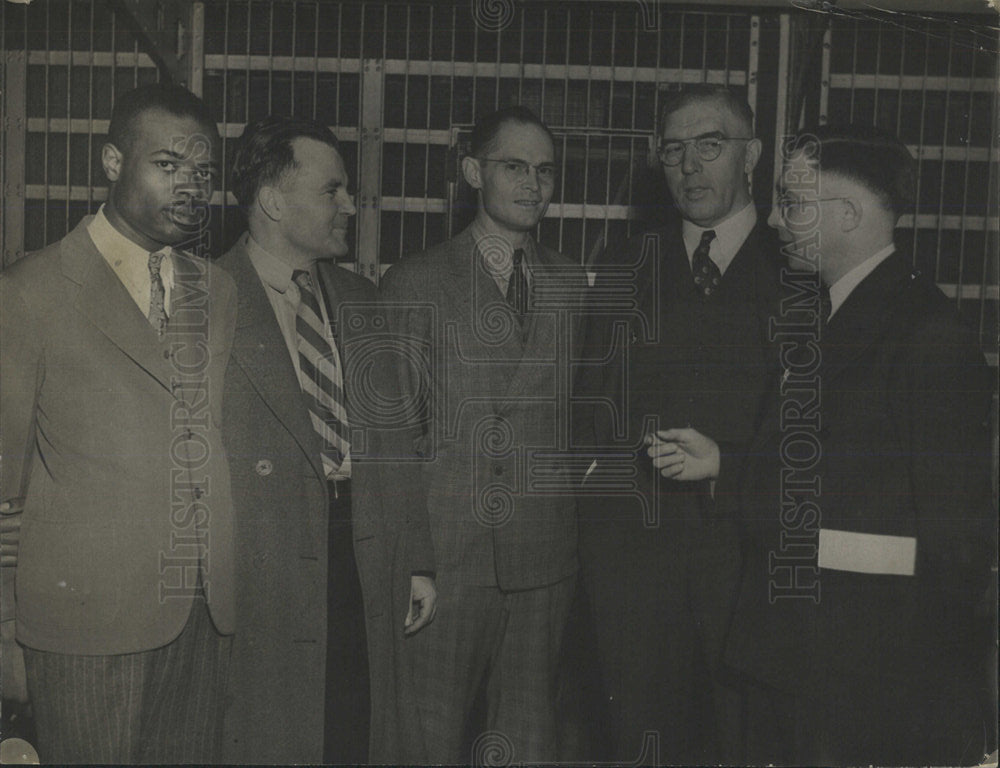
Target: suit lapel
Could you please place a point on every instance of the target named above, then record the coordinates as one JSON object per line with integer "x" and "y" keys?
{"x": 552, "y": 334}
{"x": 260, "y": 350}
{"x": 105, "y": 302}
{"x": 864, "y": 315}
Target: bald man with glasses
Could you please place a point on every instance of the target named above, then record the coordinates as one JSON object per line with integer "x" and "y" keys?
{"x": 660, "y": 565}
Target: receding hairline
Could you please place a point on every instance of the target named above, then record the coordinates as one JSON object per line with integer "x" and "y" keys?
{"x": 513, "y": 120}
{"x": 720, "y": 99}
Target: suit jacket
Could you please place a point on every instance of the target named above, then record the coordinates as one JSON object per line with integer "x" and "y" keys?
{"x": 483, "y": 404}
{"x": 276, "y": 702}
{"x": 892, "y": 439}
{"x": 112, "y": 436}
{"x": 674, "y": 360}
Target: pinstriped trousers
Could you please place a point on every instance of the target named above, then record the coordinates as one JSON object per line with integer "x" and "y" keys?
{"x": 158, "y": 706}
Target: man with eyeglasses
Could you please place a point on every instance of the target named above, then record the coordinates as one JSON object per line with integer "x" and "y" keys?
{"x": 866, "y": 611}
{"x": 660, "y": 562}
{"x": 486, "y": 325}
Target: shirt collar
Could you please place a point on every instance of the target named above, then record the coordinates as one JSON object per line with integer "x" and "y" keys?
{"x": 112, "y": 244}
{"x": 272, "y": 270}
{"x": 504, "y": 249}
{"x": 841, "y": 289}
{"x": 729, "y": 235}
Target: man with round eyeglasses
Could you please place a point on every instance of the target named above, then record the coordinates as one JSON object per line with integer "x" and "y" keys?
{"x": 487, "y": 324}
{"x": 660, "y": 564}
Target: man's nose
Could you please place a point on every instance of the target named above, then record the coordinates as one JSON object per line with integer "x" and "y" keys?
{"x": 690, "y": 163}
{"x": 347, "y": 207}
{"x": 773, "y": 219}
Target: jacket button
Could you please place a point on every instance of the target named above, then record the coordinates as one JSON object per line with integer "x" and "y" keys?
{"x": 497, "y": 469}
{"x": 263, "y": 468}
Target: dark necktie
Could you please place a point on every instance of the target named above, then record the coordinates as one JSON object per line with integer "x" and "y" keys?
{"x": 517, "y": 286}
{"x": 157, "y": 312}
{"x": 321, "y": 377}
{"x": 706, "y": 274}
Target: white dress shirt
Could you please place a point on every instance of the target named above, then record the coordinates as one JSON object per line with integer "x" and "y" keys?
{"x": 729, "y": 236}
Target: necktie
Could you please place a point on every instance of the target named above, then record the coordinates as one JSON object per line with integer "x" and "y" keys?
{"x": 517, "y": 286}
{"x": 157, "y": 312}
{"x": 321, "y": 377}
{"x": 706, "y": 274}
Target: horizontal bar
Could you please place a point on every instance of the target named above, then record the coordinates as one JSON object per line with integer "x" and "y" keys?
{"x": 512, "y": 70}
{"x": 90, "y": 58}
{"x": 911, "y": 82}
{"x": 933, "y": 221}
{"x": 594, "y": 211}
{"x": 971, "y": 291}
{"x": 442, "y": 137}
{"x": 242, "y": 61}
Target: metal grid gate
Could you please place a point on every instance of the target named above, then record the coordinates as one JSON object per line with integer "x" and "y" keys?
{"x": 401, "y": 83}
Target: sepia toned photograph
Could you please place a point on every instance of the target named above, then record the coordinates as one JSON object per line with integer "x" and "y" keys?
{"x": 499, "y": 382}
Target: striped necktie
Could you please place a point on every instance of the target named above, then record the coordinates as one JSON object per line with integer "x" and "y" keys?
{"x": 321, "y": 377}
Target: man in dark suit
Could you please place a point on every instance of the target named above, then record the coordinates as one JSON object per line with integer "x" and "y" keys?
{"x": 315, "y": 542}
{"x": 485, "y": 323}
{"x": 862, "y": 622}
{"x": 114, "y": 345}
{"x": 660, "y": 563}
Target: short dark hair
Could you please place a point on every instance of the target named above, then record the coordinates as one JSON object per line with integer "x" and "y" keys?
{"x": 168, "y": 97}
{"x": 874, "y": 158}
{"x": 264, "y": 153}
{"x": 485, "y": 132}
{"x": 689, "y": 94}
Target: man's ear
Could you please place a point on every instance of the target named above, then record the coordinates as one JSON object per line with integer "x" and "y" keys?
{"x": 754, "y": 148}
{"x": 112, "y": 160}
{"x": 271, "y": 202}
{"x": 472, "y": 171}
{"x": 851, "y": 214}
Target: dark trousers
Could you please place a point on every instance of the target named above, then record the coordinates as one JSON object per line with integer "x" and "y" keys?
{"x": 661, "y": 606}
{"x": 348, "y": 690}
{"x": 844, "y": 719}
{"x": 158, "y": 706}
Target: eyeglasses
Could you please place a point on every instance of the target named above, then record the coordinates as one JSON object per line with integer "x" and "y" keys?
{"x": 787, "y": 204}
{"x": 517, "y": 171}
{"x": 671, "y": 152}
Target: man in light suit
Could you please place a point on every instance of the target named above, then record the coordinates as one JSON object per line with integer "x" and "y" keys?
{"x": 862, "y": 625}
{"x": 114, "y": 346}
{"x": 316, "y": 610}
{"x": 485, "y": 325}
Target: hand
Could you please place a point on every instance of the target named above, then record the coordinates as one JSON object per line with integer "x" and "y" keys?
{"x": 423, "y": 604}
{"x": 10, "y": 530}
{"x": 683, "y": 454}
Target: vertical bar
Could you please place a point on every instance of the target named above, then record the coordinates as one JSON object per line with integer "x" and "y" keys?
{"x": 45, "y": 129}
{"x": 196, "y": 49}
{"x": 69, "y": 115}
{"x": 427, "y": 123}
{"x": 15, "y": 102}
{"x": 270, "y": 59}
{"x": 920, "y": 147}
{"x": 824, "y": 82}
{"x": 854, "y": 71}
{"x": 406, "y": 133}
{"x": 965, "y": 185}
{"x": 944, "y": 146}
{"x": 315, "y": 58}
{"x": 781, "y": 116}
{"x": 753, "y": 66}
{"x": 725, "y": 70}
{"x": 369, "y": 190}
{"x": 991, "y": 237}
{"x": 90, "y": 113}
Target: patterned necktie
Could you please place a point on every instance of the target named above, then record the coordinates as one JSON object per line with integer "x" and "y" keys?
{"x": 157, "y": 312}
{"x": 321, "y": 377}
{"x": 706, "y": 274}
{"x": 517, "y": 287}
